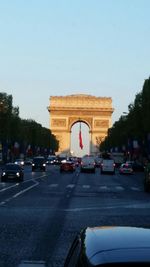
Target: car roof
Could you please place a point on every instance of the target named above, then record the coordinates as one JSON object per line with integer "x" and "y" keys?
{"x": 116, "y": 244}
{"x": 7, "y": 165}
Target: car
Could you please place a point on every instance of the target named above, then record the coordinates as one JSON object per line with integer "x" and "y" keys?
{"x": 147, "y": 182}
{"x": 98, "y": 161}
{"x": 137, "y": 166}
{"x": 87, "y": 164}
{"x": 28, "y": 161}
{"x": 19, "y": 162}
{"x": 51, "y": 160}
{"x": 39, "y": 163}
{"x": 126, "y": 168}
{"x": 12, "y": 171}
{"x": 107, "y": 166}
{"x": 67, "y": 166}
{"x": 110, "y": 246}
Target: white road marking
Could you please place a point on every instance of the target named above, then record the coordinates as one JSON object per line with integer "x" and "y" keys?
{"x": 53, "y": 185}
{"x": 9, "y": 187}
{"x": 120, "y": 188}
{"x": 103, "y": 187}
{"x": 70, "y": 185}
{"x": 86, "y": 186}
{"x": 135, "y": 188}
{"x": 19, "y": 193}
{"x": 32, "y": 264}
{"x": 16, "y": 184}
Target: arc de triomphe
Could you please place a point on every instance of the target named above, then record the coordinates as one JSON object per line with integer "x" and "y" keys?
{"x": 65, "y": 111}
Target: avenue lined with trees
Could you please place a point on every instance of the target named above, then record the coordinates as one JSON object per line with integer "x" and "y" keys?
{"x": 24, "y": 136}
{"x": 131, "y": 133}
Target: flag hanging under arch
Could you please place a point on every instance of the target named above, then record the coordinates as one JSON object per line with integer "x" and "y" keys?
{"x": 80, "y": 137}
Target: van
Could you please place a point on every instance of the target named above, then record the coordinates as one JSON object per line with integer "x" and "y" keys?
{"x": 108, "y": 166}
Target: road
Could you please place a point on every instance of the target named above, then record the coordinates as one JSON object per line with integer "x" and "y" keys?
{"x": 40, "y": 217}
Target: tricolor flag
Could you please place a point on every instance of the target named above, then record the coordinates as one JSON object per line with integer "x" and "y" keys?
{"x": 80, "y": 138}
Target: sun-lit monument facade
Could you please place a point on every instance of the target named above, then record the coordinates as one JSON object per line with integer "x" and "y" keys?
{"x": 65, "y": 111}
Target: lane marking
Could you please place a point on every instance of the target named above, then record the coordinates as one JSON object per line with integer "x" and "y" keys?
{"x": 27, "y": 263}
{"x": 53, "y": 185}
{"x": 135, "y": 188}
{"x": 86, "y": 186}
{"x": 118, "y": 187}
{"x": 9, "y": 187}
{"x": 16, "y": 184}
{"x": 19, "y": 193}
{"x": 70, "y": 185}
{"x": 104, "y": 187}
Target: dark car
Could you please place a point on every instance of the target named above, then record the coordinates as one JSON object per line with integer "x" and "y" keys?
{"x": 110, "y": 246}
{"x": 51, "y": 160}
{"x": 67, "y": 166}
{"x": 12, "y": 171}
{"x": 19, "y": 162}
{"x": 137, "y": 166}
{"x": 147, "y": 182}
{"x": 39, "y": 163}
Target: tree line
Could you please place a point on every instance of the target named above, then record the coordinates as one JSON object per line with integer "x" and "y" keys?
{"x": 131, "y": 133}
{"x": 22, "y": 135}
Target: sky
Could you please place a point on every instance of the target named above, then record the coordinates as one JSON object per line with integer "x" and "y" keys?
{"x": 63, "y": 47}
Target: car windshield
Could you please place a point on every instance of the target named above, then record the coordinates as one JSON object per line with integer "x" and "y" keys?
{"x": 12, "y": 167}
{"x": 74, "y": 107}
{"x": 38, "y": 160}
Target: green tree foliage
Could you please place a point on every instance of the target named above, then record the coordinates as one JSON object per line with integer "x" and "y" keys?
{"x": 13, "y": 128}
{"x": 135, "y": 125}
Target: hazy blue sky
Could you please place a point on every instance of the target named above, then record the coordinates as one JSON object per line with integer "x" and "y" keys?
{"x": 60, "y": 47}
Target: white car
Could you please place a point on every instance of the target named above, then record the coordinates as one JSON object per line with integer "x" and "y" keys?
{"x": 87, "y": 164}
{"x": 108, "y": 166}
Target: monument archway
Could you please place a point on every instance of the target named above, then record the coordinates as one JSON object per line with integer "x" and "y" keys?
{"x": 65, "y": 111}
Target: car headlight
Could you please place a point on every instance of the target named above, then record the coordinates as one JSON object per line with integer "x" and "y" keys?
{"x": 33, "y": 164}
{"x": 18, "y": 174}
{"x": 3, "y": 173}
{"x": 44, "y": 164}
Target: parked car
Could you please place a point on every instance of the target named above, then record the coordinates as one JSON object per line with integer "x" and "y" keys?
{"x": 110, "y": 246}
{"x": 19, "y": 162}
{"x": 67, "y": 165}
{"x": 12, "y": 171}
{"x": 126, "y": 168}
{"x": 137, "y": 166}
{"x": 39, "y": 163}
{"x": 147, "y": 182}
{"x": 87, "y": 164}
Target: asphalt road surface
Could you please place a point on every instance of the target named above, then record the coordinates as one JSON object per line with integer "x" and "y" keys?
{"x": 40, "y": 217}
